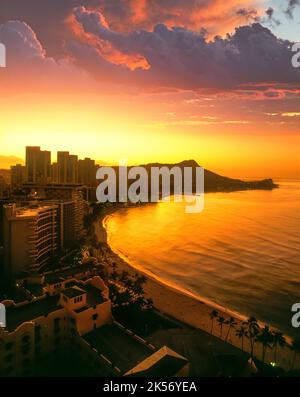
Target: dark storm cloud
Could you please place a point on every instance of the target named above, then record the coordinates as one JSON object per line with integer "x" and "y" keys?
{"x": 184, "y": 59}
{"x": 161, "y": 58}
{"x": 48, "y": 17}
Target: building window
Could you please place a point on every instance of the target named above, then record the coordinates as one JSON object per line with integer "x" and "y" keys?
{"x": 38, "y": 335}
{"x": 25, "y": 349}
{"x": 38, "y": 338}
{"x": 9, "y": 346}
{"x": 38, "y": 350}
{"x": 79, "y": 299}
{"x": 25, "y": 339}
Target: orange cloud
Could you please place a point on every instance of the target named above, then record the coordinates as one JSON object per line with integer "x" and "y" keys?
{"x": 105, "y": 49}
{"x": 218, "y": 17}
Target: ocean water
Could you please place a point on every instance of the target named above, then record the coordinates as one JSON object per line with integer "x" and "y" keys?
{"x": 242, "y": 251}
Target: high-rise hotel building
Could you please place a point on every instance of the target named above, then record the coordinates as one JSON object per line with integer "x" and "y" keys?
{"x": 18, "y": 176}
{"x": 72, "y": 206}
{"x": 30, "y": 237}
{"x": 67, "y": 168}
{"x": 53, "y": 218}
{"x": 87, "y": 172}
{"x": 38, "y": 165}
{"x": 71, "y": 209}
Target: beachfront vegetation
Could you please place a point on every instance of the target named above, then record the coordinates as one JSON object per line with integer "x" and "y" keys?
{"x": 242, "y": 333}
{"x": 213, "y": 315}
{"x": 295, "y": 348}
{"x": 265, "y": 337}
{"x": 95, "y": 211}
{"x": 231, "y": 325}
{"x": 278, "y": 340}
{"x": 221, "y": 320}
{"x": 251, "y": 331}
{"x": 128, "y": 290}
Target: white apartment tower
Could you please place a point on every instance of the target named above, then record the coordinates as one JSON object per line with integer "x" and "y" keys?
{"x": 30, "y": 237}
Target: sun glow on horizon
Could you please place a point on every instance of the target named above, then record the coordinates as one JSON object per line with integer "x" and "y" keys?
{"x": 95, "y": 129}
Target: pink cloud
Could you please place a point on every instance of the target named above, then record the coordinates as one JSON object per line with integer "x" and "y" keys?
{"x": 29, "y": 67}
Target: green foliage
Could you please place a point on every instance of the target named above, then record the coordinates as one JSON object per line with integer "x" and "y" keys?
{"x": 127, "y": 290}
{"x": 265, "y": 337}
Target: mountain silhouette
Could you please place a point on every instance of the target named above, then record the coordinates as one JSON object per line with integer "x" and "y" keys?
{"x": 212, "y": 181}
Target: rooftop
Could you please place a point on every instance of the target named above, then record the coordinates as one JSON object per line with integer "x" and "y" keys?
{"x": 73, "y": 292}
{"x": 54, "y": 186}
{"x": 53, "y": 278}
{"x": 120, "y": 348}
{"x": 70, "y": 284}
{"x": 38, "y": 308}
{"x": 164, "y": 362}
{"x": 93, "y": 295}
{"x": 31, "y": 211}
{"x": 15, "y": 316}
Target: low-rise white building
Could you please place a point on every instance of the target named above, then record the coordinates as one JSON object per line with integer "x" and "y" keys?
{"x": 39, "y": 328}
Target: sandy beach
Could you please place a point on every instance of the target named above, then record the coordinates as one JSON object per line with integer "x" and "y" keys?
{"x": 191, "y": 310}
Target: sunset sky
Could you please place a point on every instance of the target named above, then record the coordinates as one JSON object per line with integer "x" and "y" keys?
{"x": 154, "y": 80}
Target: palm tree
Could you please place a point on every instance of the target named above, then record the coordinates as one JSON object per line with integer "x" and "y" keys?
{"x": 221, "y": 321}
{"x": 232, "y": 323}
{"x": 295, "y": 347}
{"x": 278, "y": 340}
{"x": 265, "y": 337}
{"x": 241, "y": 333}
{"x": 114, "y": 275}
{"x": 252, "y": 331}
{"x": 214, "y": 314}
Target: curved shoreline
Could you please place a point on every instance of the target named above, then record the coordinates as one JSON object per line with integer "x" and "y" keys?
{"x": 183, "y": 305}
{"x": 169, "y": 284}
